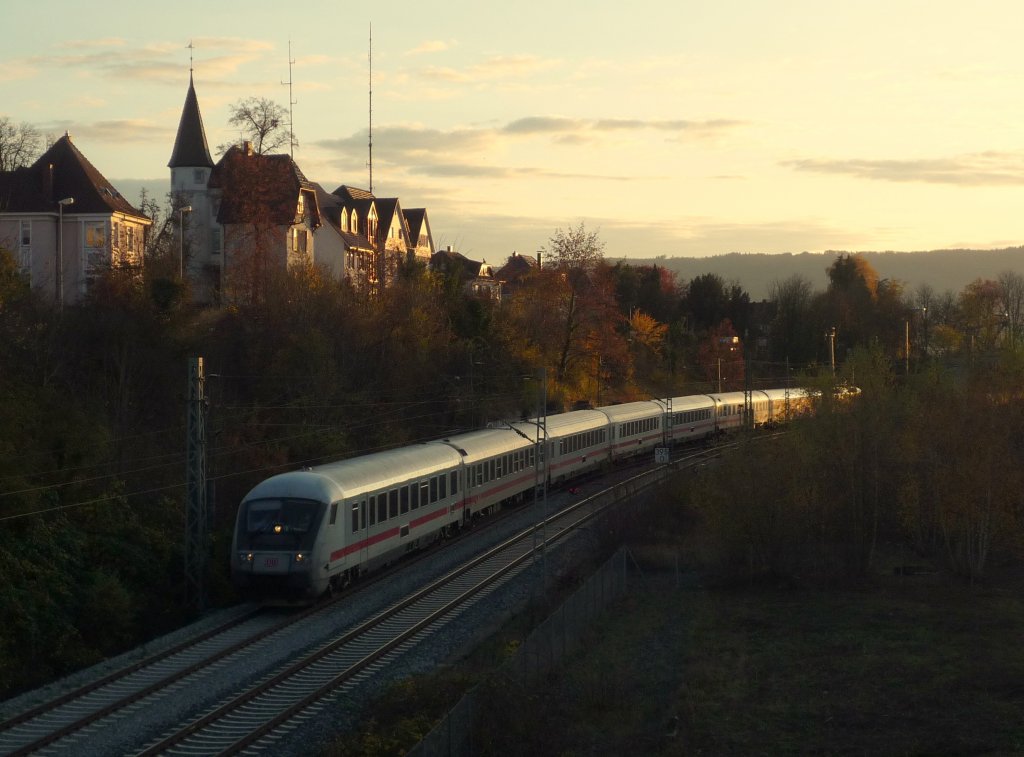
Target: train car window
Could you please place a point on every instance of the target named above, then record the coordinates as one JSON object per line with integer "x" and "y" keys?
{"x": 362, "y": 515}
{"x": 433, "y": 489}
{"x": 415, "y": 496}
{"x": 355, "y": 517}
{"x": 373, "y": 510}
{"x": 490, "y": 470}
{"x": 424, "y": 493}
{"x": 334, "y": 512}
{"x": 454, "y": 476}
{"x": 404, "y": 499}
{"x": 443, "y": 486}
{"x": 382, "y": 507}
{"x": 393, "y": 503}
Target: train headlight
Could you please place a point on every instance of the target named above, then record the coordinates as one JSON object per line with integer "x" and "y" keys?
{"x": 299, "y": 557}
{"x": 245, "y": 557}
{"x": 277, "y": 528}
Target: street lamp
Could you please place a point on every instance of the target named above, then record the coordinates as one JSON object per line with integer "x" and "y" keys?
{"x": 181, "y": 240}
{"x": 60, "y": 249}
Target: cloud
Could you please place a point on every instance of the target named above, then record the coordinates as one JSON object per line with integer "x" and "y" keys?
{"x": 493, "y": 69}
{"x": 430, "y": 46}
{"x": 468, "y": 152}
{"x": 160, "y": 61}
{"x": 554, "y": 125}
{"x": 119, "y": 131}
{"x": 406, "y": 142}
{"x": 976, "y": 169}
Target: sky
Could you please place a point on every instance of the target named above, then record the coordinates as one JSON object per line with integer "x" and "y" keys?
{"x": 670, "y": 128}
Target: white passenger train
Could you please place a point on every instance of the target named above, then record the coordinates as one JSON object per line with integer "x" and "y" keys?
{"x": 306, "y": 532}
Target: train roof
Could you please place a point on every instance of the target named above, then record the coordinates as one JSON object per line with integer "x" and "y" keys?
{"x": 689, "y": 402}
{"x": 793, "y": 393}
{"x": 726, "y": 398}
{"x": 356, "y": 475}
{"x": 630, "y": 411}
{"x": 479, "y": 445}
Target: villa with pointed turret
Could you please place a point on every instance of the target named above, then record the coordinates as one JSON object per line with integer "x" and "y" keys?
{"x": 248, "y": 215}
{"x": 239, "y": 220}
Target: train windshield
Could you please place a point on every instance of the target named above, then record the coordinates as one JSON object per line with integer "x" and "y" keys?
{"x": 279, "y": 523}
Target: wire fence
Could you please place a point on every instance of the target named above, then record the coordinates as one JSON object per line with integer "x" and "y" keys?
{"x": 544, "y": 649}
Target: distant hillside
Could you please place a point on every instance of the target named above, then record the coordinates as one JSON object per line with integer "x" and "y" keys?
{"x": 942, "y": 269}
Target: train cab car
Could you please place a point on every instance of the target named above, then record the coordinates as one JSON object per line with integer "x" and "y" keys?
{"x": 579, "y": 442}
{"x": 498, "y": 466}
{"x": 691, "y": 418}
{"x": 301, "y": 533}
{"x": 635, "y": 427}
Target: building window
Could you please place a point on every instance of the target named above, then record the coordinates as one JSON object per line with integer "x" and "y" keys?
{"x": 354, "y": 226}
{"x": 199, "y": 176}
{"x": 215, "y": 241}
{"x": 25, "y": 249}
{"x": 95, "y": 236}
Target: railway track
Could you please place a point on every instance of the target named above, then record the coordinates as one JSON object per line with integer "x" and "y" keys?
{"x": 254, "y": 716}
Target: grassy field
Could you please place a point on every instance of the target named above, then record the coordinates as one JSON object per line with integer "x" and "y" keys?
{"x": 908, "y": 665}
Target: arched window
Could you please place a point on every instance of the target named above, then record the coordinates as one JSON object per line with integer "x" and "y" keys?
{"x": 354, "y": 227}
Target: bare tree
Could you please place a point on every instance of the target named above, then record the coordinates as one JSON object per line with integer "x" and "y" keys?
{"x": 1011, "y": 285}
{"x": 262, "y": 122}
{"x": 19, "y": 144}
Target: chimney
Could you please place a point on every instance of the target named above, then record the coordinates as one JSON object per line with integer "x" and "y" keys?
{"x": 538, "y": 261}
{"x": 449, "y": 249}
{"x": 247, "y": 148}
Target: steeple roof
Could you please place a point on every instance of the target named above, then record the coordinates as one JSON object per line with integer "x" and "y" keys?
{"x": 190, "y": 148}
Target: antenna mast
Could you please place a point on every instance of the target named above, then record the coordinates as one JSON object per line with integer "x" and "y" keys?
{"x": 370, "y": 56}
{"x": 291, "y": 102}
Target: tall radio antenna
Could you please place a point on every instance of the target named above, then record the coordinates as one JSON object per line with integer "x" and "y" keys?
{"x": 370, "y": 57}
{"x": 291, "y": 102}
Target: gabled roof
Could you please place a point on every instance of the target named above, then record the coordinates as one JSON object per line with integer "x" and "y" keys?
{"x": 359, "y": 199}
{"x": 388, "y": 209}
{"x": 416, "y": 219}
{"x": 516, "y": 267}
{"x": 353, "y": 193}
{"x": 260, "y": 187}
{"x": 190, "y": 148}
{"x": 449, "y": 262}
{"x": 330, "y": 212}
{"x": 62, "y": 171}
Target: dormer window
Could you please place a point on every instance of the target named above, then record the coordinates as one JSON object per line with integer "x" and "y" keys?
{"x": 302, "y": 205}
{"x": 354, "y": 227}
{"x": 344, "y": 219}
